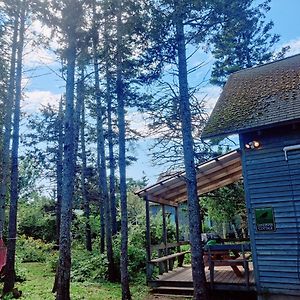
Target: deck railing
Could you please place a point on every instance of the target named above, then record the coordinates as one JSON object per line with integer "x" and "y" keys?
{"x": 165, "y": 255}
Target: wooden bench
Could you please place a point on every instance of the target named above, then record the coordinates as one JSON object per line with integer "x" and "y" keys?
{"x": 166, "y": 261}
{"x": 233, "y": 255}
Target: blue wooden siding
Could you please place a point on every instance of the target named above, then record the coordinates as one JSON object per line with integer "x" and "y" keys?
{"x": 271, "y": 181}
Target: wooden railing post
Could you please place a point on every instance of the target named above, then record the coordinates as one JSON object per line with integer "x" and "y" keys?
{"x": 148, "y": 241}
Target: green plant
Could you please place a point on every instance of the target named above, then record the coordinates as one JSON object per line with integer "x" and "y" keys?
{"x": 88, "y": 266}
{"x": 156, "y": 229}
{"x": 79, "y": 227}
{"x": 37, "y": 219}
{"x": 136, "y": 251}
{"x": 21, "y": 274}
{"x": 33, "y": 250}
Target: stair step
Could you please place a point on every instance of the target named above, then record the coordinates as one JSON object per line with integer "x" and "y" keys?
{"x": 166, "y": 290}
{"x": 173, "y": 296}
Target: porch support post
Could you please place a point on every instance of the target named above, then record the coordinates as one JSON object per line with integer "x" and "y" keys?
{"x": 164, "y": 228}
{"x": 165, "y": 263}
{"x": 148, "y": 241}
{"x": 177, "y": 227}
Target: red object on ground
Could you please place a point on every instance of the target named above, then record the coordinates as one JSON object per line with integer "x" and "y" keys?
{"x": 3, "y": 253}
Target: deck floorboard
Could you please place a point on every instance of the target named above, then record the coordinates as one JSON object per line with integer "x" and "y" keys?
{"x": 223, "y": 275}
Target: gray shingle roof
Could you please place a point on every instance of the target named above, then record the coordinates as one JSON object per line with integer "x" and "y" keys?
{"x": 257, "y": 97}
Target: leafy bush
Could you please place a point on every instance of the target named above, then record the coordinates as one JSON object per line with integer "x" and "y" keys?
{"x": 79, "y": 227}
{"x": 33, "y": 250}
{"x": 136, "y": 250}
{"x": 20, "y": 271}
{"x": 37, "y": 219}
{"x": 88, "y": 266}
{"x": 156, "y": 227}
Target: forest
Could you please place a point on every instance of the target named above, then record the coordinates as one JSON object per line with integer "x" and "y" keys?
{"x": 68, "y": 211}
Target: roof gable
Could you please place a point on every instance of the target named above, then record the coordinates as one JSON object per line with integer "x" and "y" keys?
{"x": 257, "y": 97}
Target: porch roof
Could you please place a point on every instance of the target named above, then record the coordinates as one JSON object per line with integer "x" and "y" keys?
{"x": 213, "y": 174}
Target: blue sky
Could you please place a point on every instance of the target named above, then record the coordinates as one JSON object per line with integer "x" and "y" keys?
{"x": 284, "y": 13}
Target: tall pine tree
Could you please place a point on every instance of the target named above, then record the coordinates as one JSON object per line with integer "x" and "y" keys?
{"x": 244, "y": 40}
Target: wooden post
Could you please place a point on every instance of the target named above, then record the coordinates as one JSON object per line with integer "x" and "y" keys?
{"x": 211, "y": 269}
{"x": 165, "y": 235}
{"x": 177, "y": 227}
{"x": 148, "y": 241}
{"x": 164, "y": 227}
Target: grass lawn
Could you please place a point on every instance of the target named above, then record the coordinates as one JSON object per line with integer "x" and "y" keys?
{"x": 40, "y": 281}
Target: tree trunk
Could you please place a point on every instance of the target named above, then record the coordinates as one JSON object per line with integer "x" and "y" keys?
{"x": 5, "y": 167}
{"x": 85, "y": 199}
{"x": 191, "y": 182}
{"x": 236, "y": 235}
{"x": 78, "y": 110}
{"x": 97, "y": 92}
{"x": 64, "y": 267}
{"x": 224, "y": 230}
{"x": 102, "y": 165}
{"x": 112, "y": 168}
{"x": 122, "y": 161}
{"x": 244, "y": 225}
{"x": 9, "y": 280}
{"x": 59, "y": 168}
{"x": 112, "y": 182}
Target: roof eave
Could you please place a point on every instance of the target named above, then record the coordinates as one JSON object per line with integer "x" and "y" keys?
{"x": 249, "y": 129}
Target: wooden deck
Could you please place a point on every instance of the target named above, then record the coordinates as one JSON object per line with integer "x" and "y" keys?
{"x": 180, "y": 279}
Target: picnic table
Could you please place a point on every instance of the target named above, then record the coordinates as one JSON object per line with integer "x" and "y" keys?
{"x": 233, "y": 255}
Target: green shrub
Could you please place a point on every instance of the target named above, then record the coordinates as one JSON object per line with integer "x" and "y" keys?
{"x": 32, "y": 250}
{"x": 136, "y": 251}
{"x": 79, "y": 227}
{"x": 37, "y": 219}
{"x": 88, "y": 266}
{"x": 156, "y": 227}
{"x": 52, "y": 261}
{"x": 20, "y": 271}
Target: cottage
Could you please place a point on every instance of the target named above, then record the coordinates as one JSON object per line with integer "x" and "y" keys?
{"x": 262, "y": 106}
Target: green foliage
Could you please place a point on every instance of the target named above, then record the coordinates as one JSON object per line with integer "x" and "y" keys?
{"x": 136, "y": 209}
{"x": 91, "y": 267}
{"x": 79, "y": 226}
{"x": 37, "y": 219}
{"x": 136, "y": 250}
{"x": 21, "y": 273}
{"x": 156, "y": 228}
{"x": 224, "y": 204}
{"x": 206, "y": 228}
{"x": 32, "y": 250}
{"x": 30, "y": 173}
{"x": 244, "y": 40}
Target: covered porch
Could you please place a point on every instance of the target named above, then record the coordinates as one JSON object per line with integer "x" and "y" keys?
{"x": 174, "y": 277}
